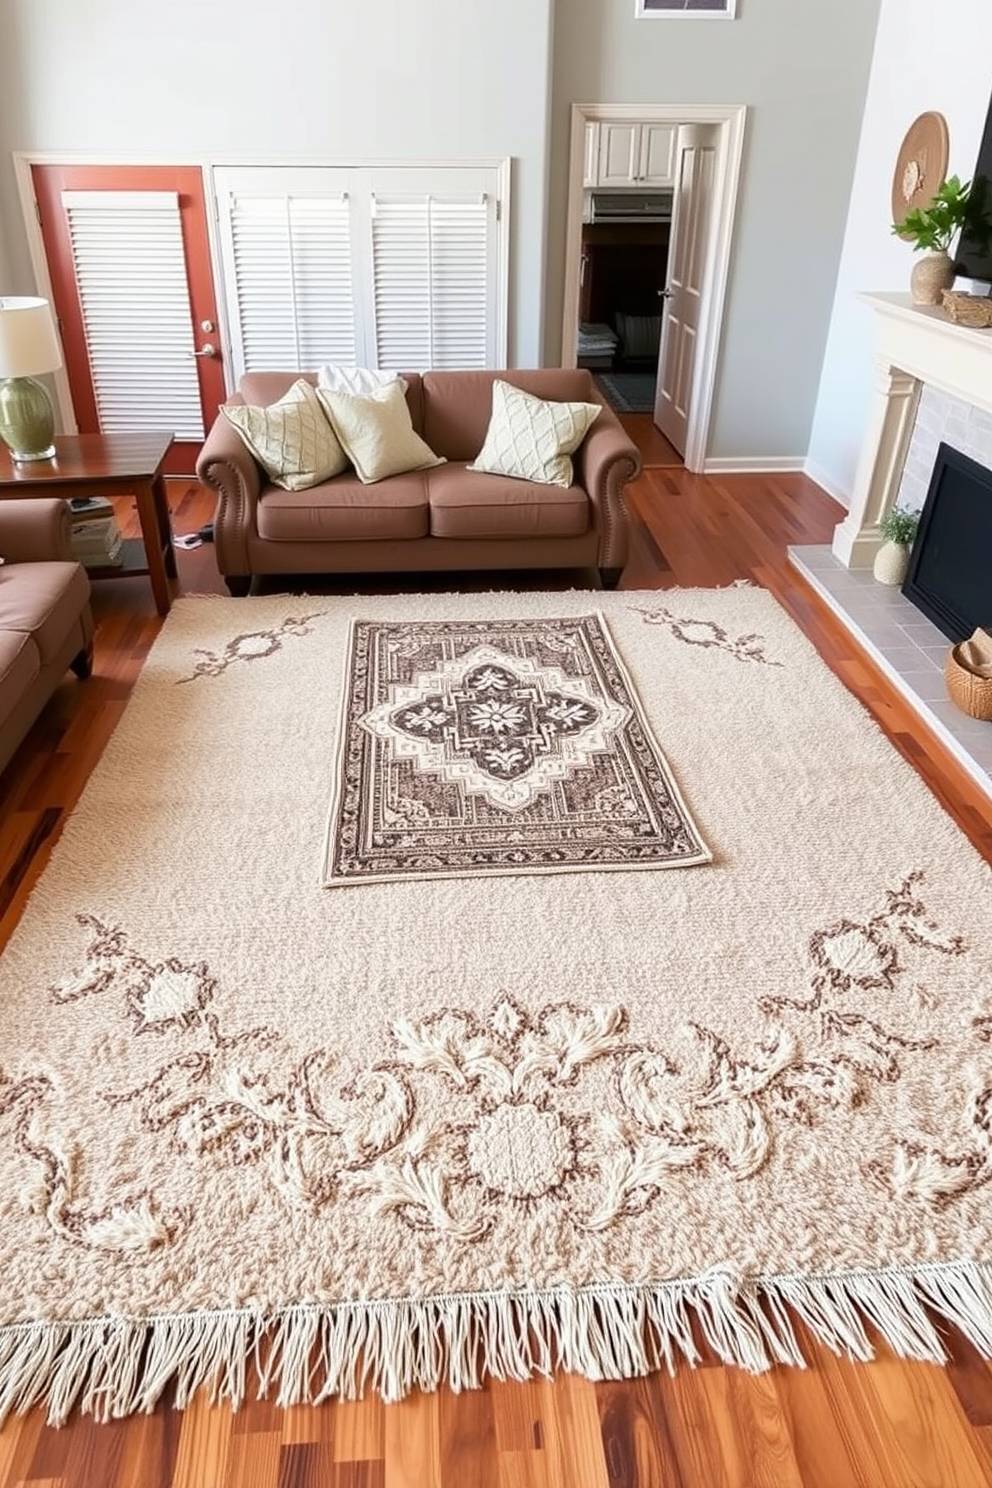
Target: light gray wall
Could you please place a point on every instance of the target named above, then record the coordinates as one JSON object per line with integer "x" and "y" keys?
{"x": 414, "y": 79}
{"x": 910, "y": 74}
{"x": 801, "y": 66}
{"x": 299, "y": 80}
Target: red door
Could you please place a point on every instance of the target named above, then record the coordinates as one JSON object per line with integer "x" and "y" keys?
{"x": 129, "y": 259}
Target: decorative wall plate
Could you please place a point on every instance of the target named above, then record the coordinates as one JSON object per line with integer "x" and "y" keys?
{"x": 921, "y": 164}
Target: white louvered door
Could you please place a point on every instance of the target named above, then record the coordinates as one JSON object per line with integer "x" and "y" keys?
{"x": 393, "y": 267}
{"x": 432, "y": 261}
{"x": 287, "y": 252}
{"x": 130, "y": 268}
{"x": 132, "y": 285}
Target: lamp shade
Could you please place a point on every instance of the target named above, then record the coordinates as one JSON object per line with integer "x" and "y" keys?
{"x": 28, "y": 343}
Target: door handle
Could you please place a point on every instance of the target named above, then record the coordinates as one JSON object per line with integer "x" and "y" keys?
{"x": 208, "y": 351}
{"x": 664, "y": 294}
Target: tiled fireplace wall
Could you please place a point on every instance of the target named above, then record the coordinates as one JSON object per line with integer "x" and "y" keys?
{"x": 941, "y": 416}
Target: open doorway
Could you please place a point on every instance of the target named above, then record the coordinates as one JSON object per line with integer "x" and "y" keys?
{"x": 622, "y": 279}
{"x": 652, "y": 193}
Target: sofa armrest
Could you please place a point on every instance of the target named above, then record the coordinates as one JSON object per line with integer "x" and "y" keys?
{"x": 35, "y": 529}
{"x": 226, "y": 466}
{"x": 604, "y": 463}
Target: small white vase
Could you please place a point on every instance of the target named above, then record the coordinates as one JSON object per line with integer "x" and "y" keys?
{"x": 891, "y": 563}
{"x": 931, "y": 274}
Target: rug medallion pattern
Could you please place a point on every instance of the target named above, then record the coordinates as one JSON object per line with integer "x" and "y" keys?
{"x": 480, "y": 747}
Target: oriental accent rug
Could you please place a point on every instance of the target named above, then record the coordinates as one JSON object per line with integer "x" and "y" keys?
{"x": 497, "y": 746}
{"x": 438, "y": 1129}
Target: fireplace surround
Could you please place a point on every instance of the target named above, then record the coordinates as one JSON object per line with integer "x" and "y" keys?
{"x": 914, "y": 347}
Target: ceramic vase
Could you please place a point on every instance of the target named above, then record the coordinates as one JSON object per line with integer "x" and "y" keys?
{"x": 891, "y": 563}
{"x": 931, "y": 274}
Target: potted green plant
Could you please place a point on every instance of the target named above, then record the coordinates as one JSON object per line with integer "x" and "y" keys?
{"x": 898, "y": 528}
{"x": 931, "y": 229}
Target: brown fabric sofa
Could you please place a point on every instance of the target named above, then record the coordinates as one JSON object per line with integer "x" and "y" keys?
{"x": 46, "y": 625}
{"x": 445, "y": 518}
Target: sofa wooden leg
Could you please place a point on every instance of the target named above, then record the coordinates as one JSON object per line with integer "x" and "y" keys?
{"x": 82, "y": 663}
{"x": 238, "y": 584}
{"x": 610, "y": 577}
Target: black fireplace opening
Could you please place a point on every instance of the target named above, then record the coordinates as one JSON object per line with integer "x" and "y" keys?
{"x": 950, "y": 568}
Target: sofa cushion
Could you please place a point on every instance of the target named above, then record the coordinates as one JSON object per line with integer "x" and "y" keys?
{"x": 466, "y": 503}
{"x": 533, "y": 438}
{"x": 19, "y": 665}
{"x": 376, "y": 432}
{"x": 459, "y": 405}
{"x": 291, "y": 439}
{"x": 44, "y": 601}
{"x": 346, "y": 510}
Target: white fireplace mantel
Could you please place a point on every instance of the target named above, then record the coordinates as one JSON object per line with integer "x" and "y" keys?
{"x": 914, "y": 344}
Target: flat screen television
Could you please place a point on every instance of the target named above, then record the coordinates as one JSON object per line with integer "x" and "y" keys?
{"x": 973, "y": 255}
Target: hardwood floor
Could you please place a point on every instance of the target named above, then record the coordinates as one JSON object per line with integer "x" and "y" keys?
{"x": 882, "y": 1425}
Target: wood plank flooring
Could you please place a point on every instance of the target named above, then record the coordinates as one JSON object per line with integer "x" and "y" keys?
{"x": 882, "y": 1425}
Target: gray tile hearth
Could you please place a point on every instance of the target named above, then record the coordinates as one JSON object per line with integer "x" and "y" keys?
{"x": 905, "y": 645}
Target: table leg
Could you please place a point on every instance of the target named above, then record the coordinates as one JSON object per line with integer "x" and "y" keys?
{"x": 165, "y": 524}
{"x": 148, "y": 503}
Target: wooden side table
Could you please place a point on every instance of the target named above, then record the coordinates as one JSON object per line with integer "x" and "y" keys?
{"x": 109, "y": 465}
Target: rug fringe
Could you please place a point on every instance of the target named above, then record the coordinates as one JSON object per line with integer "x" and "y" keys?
{"x": 304, "y": 1354}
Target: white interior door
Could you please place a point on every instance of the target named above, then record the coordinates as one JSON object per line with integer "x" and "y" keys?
{"x": 692, "y": 205}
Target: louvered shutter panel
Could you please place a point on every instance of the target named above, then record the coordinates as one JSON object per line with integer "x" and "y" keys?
{"x": 432, "y": 270}
{"x": 288, "y": 260}
{"x": 130, "y": 268}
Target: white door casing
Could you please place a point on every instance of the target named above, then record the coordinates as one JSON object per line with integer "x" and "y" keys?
{"x": 296, "y": 267}
{"x": 729, "y": 120}
{"x": 692, "y": 205}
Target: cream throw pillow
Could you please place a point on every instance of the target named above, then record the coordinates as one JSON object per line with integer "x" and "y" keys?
{"x": 532, "y": 438}
{"x": 377, "y": 433}
{"x": 361, "y": 380}
{"x": 292, "y": 439}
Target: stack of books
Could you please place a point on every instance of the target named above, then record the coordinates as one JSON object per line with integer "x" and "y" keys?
{"x": 96, "y": 537}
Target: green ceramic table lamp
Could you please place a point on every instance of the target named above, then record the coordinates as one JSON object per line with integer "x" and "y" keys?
{"x": 28, "y": 345}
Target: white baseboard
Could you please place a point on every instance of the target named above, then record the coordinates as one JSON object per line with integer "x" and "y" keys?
{"x": 818, "y": 474}
{"x": 752, "y": 464}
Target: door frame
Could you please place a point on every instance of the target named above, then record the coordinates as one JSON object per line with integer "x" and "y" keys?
{"x": 730, "y": 118}
{"x": 24, "y": 160}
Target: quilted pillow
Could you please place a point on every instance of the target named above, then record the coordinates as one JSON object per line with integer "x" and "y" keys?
{"x": 532, "y": 438}
{"x": 377, "y": 433}
{"x": 291, "y": 439}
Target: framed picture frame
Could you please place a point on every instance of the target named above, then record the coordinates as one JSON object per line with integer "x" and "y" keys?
{"x": 685, "y": 10}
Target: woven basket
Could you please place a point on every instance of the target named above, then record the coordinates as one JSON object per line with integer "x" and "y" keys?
{"x": 969, "y": 689}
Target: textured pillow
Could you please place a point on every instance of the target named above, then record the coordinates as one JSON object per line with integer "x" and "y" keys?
{"x": 291, "y": 439}
{"x": 377, "y": 433}
{"x": 532, "y": 438}
{"x": 362, "y": 380}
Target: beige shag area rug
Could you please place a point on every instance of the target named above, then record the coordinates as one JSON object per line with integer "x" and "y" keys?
{"x": 482, "y": 746}
{"x": 431, "y": 1130}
